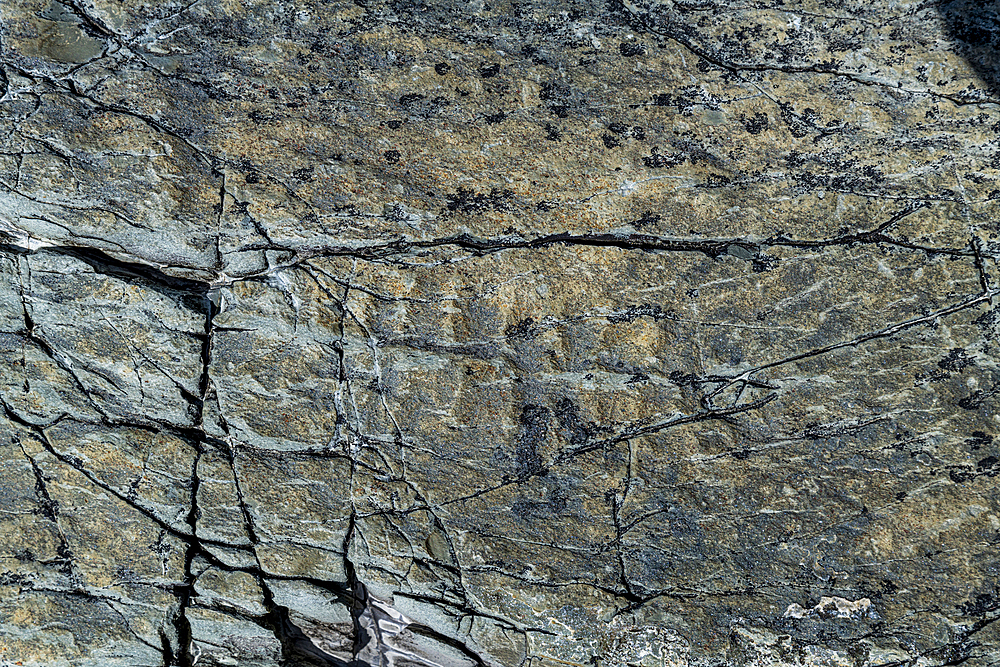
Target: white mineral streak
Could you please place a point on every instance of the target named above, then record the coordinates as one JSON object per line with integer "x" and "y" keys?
{"x": 832, "y": 607}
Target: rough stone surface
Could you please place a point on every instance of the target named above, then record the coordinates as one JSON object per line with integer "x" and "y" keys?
{"x": 508, "y": 333}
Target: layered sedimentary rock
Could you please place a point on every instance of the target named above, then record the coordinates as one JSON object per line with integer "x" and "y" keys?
{"x": 510, "y": 333}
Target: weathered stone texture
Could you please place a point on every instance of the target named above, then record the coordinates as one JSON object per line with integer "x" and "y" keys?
{"x": 499, "y": 333}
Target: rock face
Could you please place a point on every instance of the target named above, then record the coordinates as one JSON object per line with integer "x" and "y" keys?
{"x": 513, "y": 333}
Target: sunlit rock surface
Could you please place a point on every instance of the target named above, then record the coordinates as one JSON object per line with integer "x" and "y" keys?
{"x": 499, "y": 333}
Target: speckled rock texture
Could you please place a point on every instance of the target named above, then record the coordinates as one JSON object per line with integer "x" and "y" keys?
{"x": 515, "y": 333}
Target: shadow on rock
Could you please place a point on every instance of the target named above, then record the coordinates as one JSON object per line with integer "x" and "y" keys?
{"x": 974, "y": 27}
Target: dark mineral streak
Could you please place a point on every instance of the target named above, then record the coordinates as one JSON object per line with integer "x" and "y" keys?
{"x": 510, "y": 334}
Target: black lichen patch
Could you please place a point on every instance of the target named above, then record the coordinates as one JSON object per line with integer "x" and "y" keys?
{"x": 978, "y": 398}
{"x": 408, "y": 100}
{"x": 525, "y": 329}
{"x": 573, "y": 429}
{"x": 657, "y": 160}
{"x": 631, "y": 49}
{"x": 682, "y": 379}
{"x": 559, "y": 96}
{"x": 956, "y": 360}
{"x": 715, "y": 181}
{"x": 470, "y": 201}
{"x": 757, "y": 124}
{"x": 646, "y": 219}
{"x": 978, "y": 440}
{"x": 987, "y": 466}
{"x": 762, "y": 262}
{"x": 984, "y": 603}
{"x": 634, "y": 312}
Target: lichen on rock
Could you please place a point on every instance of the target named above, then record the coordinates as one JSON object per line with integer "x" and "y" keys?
{"x": 498, "y": 333}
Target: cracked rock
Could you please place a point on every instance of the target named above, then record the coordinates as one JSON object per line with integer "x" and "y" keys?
{"x": 499, "y": 334}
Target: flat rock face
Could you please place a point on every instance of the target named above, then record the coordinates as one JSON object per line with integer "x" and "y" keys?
{"x": 499, "y": 333}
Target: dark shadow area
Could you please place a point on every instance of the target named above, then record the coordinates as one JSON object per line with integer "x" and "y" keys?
{"x": 974, "y": 27}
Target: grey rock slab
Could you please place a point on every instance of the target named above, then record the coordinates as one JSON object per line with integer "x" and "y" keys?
{"x": 226, "y": 640}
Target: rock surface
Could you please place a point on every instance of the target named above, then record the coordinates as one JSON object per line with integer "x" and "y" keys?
{"x": 499, "y": 333}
